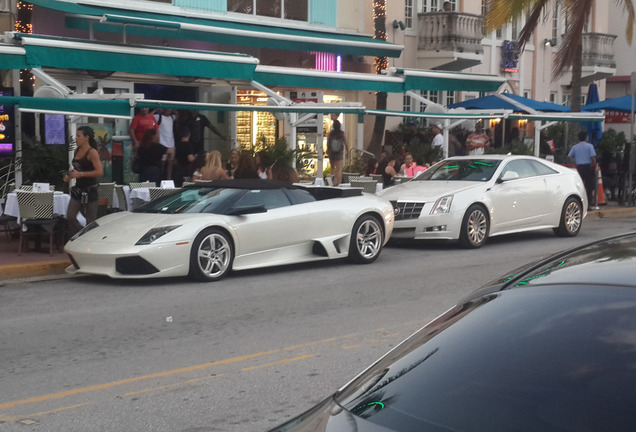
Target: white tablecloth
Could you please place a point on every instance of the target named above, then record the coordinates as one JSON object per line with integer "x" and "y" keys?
{"x": 60, "y": 205}
{"x": 378, "y": 186}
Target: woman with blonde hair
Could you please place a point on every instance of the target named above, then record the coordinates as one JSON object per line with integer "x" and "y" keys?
{"x": 213, "y": 168}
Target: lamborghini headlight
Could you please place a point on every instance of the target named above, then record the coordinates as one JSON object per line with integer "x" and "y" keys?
{"x": 442, "y": 205}
{"x": 87, "y": 228}
{"x": 155, "y": 233}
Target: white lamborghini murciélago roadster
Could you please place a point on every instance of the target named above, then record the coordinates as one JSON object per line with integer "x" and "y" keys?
{"x": 208, "y": 229}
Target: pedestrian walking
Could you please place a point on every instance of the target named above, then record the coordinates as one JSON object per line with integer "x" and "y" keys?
{"x": 584, "y": 157}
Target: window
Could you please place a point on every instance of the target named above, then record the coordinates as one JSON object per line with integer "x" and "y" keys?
{"x": 521, "y": 167}
{"x": 514, "y": 30}
{"x": 436, "y": 5}
{"x": 406, "y": 103}
{"x": 408, "y": 13}
{"x": 555, "y": 22}
{"x": 553, "y": 97}
{"x": 451, "y": 97}
{"x": 285, "y": 9}
{"x": 270, "y": 198}
{"x": 565, "y": 99}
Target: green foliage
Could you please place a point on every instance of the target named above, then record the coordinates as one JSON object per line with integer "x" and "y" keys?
{"x": 44, "y": 163}
{"x": 281, "y": 151}
{"x": 611, "y": 142}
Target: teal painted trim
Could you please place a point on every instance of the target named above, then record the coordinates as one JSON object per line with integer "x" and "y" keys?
{"x": 88, "y": 106}
{"x": 323, "y": 12}
{"x": 136, "y": 63}
{"x": 255, "y": 108}
{"x": 357, "y": 44}
{"x": 206, "y": 5}
{"x": 14, "y": 61}
{"x": 308, "y": 81}
{"x": 449, "y": 84}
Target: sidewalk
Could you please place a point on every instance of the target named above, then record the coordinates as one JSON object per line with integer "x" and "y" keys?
{"x": 38, "y": 264}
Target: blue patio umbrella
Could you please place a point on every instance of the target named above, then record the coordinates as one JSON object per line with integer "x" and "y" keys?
{"x": 494, "y": 102}
{"x": 594, "y": 129}
{"x": 623, "y": 104}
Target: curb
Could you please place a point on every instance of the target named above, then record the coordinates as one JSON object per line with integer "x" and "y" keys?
{"x": 612, "y": 212}
{"x": 45, "y": 268}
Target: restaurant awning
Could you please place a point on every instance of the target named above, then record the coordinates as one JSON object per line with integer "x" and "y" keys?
{"x": 65, "y": 53}
{"x": 623, "y": 103}
{"x": 432, "y": 80}
{"x": 81, "y": 107}
{"x": 510, "y": 101}
{"x": 198, "y": 26}
{"x": 396, "y": 81}
{"x": 13, "y": 57}
{"x": 82, "y": 54}
{"x": 304, "y": 78}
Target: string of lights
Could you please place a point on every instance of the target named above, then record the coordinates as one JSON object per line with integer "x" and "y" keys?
{"x": 379, "y": 23}
{"x": 23, "y": 24}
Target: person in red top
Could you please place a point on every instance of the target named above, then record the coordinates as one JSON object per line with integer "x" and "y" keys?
{"x": 143, "y": 121}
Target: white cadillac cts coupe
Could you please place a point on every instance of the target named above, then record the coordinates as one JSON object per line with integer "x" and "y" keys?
{"x": 471, "y": 198}
{"x": 208, "y": 229}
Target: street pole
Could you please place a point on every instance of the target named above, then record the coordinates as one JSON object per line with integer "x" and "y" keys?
{"x": 631, "y": 141}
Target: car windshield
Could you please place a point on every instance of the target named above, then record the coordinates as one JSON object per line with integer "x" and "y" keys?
{"x": 195, "y": 200}
{"x": 513, "y": 361}
{"x": 465, "y": 170}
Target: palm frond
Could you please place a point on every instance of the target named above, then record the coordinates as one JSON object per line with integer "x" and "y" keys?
{"x": 628, "y": 7}
{"x": 500, "y": 12}
{"x": 577, "y": 13}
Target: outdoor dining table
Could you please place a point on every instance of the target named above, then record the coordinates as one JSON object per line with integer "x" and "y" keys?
{"x": 60, "y": 205}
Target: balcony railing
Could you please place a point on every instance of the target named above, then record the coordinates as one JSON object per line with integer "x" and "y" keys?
{"x": 598, "y": 50}
{"x": 450, "y": 31}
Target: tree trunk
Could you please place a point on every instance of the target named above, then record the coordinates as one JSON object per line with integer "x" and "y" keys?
{"x": 379, "y": 23}
{"x": 575, "y": 97}
{"x": 375, "y": 146}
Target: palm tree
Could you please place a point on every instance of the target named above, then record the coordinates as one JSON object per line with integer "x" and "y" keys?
{"x": 379, "y": 23}
{"x": 576, "y": 12}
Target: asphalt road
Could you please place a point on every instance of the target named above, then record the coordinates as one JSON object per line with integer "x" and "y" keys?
{"x": 244, "y": 354}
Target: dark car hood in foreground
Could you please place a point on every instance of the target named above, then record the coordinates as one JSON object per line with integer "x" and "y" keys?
{"x": 549, "y": 349}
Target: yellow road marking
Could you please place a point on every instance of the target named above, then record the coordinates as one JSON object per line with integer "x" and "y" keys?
{"x": 104, "y": 386}
{"x": 278, "y": 362}
{"x": 171, "y": 385}
{"x": 76, "y": 391}
{"x": 16, "y": 418}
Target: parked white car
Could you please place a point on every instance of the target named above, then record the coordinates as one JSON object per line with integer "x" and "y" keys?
{"x": 471, "y": 198}
{"x": 208, "y": 229}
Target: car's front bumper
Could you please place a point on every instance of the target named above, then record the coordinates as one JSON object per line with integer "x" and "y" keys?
{"x": 125, "y": 261}
{"x": 421, "y": 225}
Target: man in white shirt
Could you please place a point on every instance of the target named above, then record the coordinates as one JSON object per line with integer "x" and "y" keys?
{"x": 165, "y": 119}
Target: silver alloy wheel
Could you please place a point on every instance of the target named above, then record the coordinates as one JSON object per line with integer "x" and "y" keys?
{"x": 214, "y": 255}
{"x": 572, "y": 217}
{"x": 369, "y": 238}
{"x": 476, "y": 227}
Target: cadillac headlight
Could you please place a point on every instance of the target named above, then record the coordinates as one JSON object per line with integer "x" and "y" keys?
{"x": 87, "y": 228}
{"x": 155, "y": 233}
{"x": 442, "y": 205}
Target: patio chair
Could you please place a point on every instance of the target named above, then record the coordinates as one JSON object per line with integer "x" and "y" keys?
{"x": 157, "y": 192}
{"x": 366, "y": 185}
{"x": 8, "y": 224}
{"x": 106, "y": 192}
{"x": 135, "y": 185}
{"x": 36, "y": 214}
{"x": 121, "y": 198}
